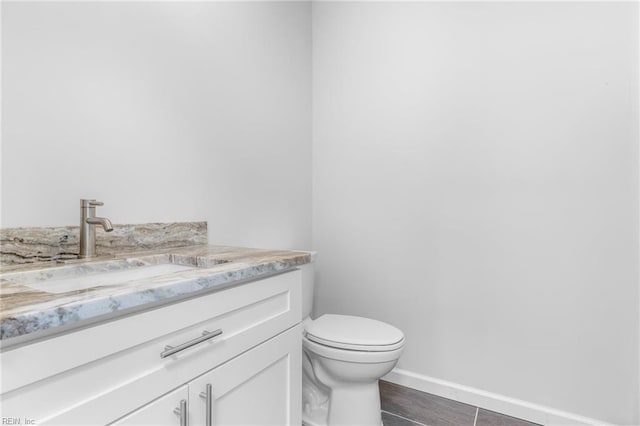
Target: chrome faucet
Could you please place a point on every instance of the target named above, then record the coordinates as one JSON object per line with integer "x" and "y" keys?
{"x": 88, "y": 220}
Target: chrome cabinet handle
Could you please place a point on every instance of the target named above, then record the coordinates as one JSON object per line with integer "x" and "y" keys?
{"x": 206, "y": 335}
{"x": 182, "y": 412}
{"x": 208, "y": 397}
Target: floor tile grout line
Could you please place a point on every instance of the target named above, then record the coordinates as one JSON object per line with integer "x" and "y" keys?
{"x": 404, "y": 418}
{"x": 475, "y": 419}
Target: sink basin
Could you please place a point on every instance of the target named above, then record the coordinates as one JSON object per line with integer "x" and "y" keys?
{"x": 85, "y": 275}
{"x": 63, "y": 285}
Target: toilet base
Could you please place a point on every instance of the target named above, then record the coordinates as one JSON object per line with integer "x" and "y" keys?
{"x": 319, "y": 420}
{"x": 354, "y": 406}
{"x": 316, "y": 418}
{"x": 309, "y": 422}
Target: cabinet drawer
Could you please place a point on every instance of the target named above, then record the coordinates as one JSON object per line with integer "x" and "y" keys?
{"x": 126, "y": 352}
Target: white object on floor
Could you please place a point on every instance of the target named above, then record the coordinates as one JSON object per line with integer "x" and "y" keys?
{"x": 343, "y": 358}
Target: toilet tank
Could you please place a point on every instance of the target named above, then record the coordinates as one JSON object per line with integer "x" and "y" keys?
{"x": 308, "y": 287}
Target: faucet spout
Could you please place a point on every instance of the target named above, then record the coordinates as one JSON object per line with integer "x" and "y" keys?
{"x": 106, "y": 223}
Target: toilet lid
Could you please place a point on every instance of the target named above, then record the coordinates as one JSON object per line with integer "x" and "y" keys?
{"x": 354, "y": 333}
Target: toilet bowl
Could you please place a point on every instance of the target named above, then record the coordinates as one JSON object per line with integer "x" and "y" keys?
{"x": 343, "y": 358}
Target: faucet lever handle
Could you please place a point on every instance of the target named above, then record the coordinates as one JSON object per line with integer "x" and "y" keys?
{"x": 84, "y": 203}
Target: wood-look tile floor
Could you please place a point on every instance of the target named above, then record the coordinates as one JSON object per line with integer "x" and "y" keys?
{"x": 402, "y": 406}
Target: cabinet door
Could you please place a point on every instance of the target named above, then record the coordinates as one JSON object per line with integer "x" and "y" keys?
{"x": 159, "y": 412}
{"x": 260, "y": 387}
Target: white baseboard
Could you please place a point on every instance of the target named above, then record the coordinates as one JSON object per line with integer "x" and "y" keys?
{"x": 491, "y": 401}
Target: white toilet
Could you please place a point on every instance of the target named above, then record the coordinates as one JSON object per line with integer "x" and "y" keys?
{"x": 343, "y": 358}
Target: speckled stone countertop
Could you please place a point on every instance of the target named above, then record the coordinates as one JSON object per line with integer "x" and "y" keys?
{"x": 27, "y": 312}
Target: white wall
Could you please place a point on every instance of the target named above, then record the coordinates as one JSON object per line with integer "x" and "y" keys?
{"x": 164, "y": 111}
{"x": 475, "y": 184}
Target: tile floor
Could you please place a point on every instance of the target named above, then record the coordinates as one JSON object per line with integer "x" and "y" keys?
{"x": 402, "y": 406}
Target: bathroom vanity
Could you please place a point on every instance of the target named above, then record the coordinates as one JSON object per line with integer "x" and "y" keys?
{"x": 216, "y": 342}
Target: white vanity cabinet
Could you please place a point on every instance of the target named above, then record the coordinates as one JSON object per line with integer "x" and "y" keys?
{"x": 113, "y": 372}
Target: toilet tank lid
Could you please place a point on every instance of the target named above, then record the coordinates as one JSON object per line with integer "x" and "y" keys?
{"x": 354, "y": 332}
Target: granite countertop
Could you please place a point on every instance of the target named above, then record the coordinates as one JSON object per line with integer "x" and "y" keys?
{"x": 29, "y": 313}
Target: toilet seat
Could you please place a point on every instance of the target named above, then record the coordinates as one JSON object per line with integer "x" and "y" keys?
{"x": 352, "y": 333}
{"x": 351, "y": 356}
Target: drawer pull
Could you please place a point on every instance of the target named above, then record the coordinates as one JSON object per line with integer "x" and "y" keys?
{"x": 206, "y": 335}
{"x": 208, "y": 397}
{"x": 182, "y": 412}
